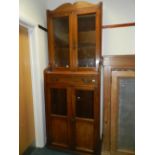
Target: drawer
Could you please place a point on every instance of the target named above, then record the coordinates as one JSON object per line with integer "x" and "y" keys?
{"x": 73, "y": 80}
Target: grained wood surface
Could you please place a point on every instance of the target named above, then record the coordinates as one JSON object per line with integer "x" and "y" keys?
{"x": 59, "y": 135}
{"x": 78, "y": 134}
{"x": 84, "y": 135}
{"x": 111, "y": 63}
{"x": 119, "y": 61}
{"x": 116, "y": 75}
{"x": 71, "y": 133}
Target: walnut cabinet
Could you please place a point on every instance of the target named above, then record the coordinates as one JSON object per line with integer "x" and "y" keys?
{"x": 72, "y": 79}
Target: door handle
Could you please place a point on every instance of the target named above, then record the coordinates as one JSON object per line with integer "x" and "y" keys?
{"x": 67, "y": 66}
{"x": 78, "y": 98}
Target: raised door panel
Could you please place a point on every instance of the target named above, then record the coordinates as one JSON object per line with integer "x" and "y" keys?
{"x": 83, "y": 111}
{"x": 123, "y": 113}
{"x": 57, "y": 117}
{"x": 84, "y": 132}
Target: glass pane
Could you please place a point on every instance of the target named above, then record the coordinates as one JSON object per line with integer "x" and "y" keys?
{"x": 59, "y": 101}
{"x": 126, "y": 126}
{"x": 84, "y": 103}
{"x": 61, "y": 40}
{"x": 86, "y": 40}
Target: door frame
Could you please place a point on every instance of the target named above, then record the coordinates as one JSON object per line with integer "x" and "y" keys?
{"x": 116, "y": 76}
{"x": 37, "y": 96}
{"x": 111, "y": 63}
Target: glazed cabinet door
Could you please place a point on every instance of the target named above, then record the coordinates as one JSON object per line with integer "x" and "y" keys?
{"x": 84, "y": 102}
{"x": 58, "y": 127}
{"x": 87, "y": 34}
{"x": 60, "y": 37}
{"x": 123, "y": 113}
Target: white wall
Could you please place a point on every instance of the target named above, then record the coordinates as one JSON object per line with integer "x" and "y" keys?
{"x": 34, "y": 12}
{"x": 118, "y": 41}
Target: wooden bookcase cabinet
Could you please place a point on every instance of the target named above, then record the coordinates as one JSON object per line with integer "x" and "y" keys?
{"x": 119, "y": 105}
{"x": 72, "y": 79}
{"x": 74, "y": 36}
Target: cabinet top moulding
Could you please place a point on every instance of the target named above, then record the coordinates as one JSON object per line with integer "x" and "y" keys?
{"x": 75, "y": 7}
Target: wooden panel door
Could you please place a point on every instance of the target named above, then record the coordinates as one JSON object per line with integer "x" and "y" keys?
{"x": 26, "y": 115}
{"x": 87, "y": 38}
{"x": 60, "y": 40}
{"x": 123, "y": 113}
{"x": 57, "y": 115}
{"x": 84, "y": 99}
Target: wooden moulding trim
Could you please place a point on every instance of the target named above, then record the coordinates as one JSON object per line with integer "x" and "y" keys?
{"x": 118, "y": 25}
{"x": 119, "y": 60}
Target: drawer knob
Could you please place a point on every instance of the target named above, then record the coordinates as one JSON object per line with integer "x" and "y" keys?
{"x": 67, "y": 66}
{"x": 78, "y": 98}
{"x": 93, "y": 80}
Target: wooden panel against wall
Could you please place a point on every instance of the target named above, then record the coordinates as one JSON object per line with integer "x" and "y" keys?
{"x": 112, "y": 63}
{"x": 26, "y": 118}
